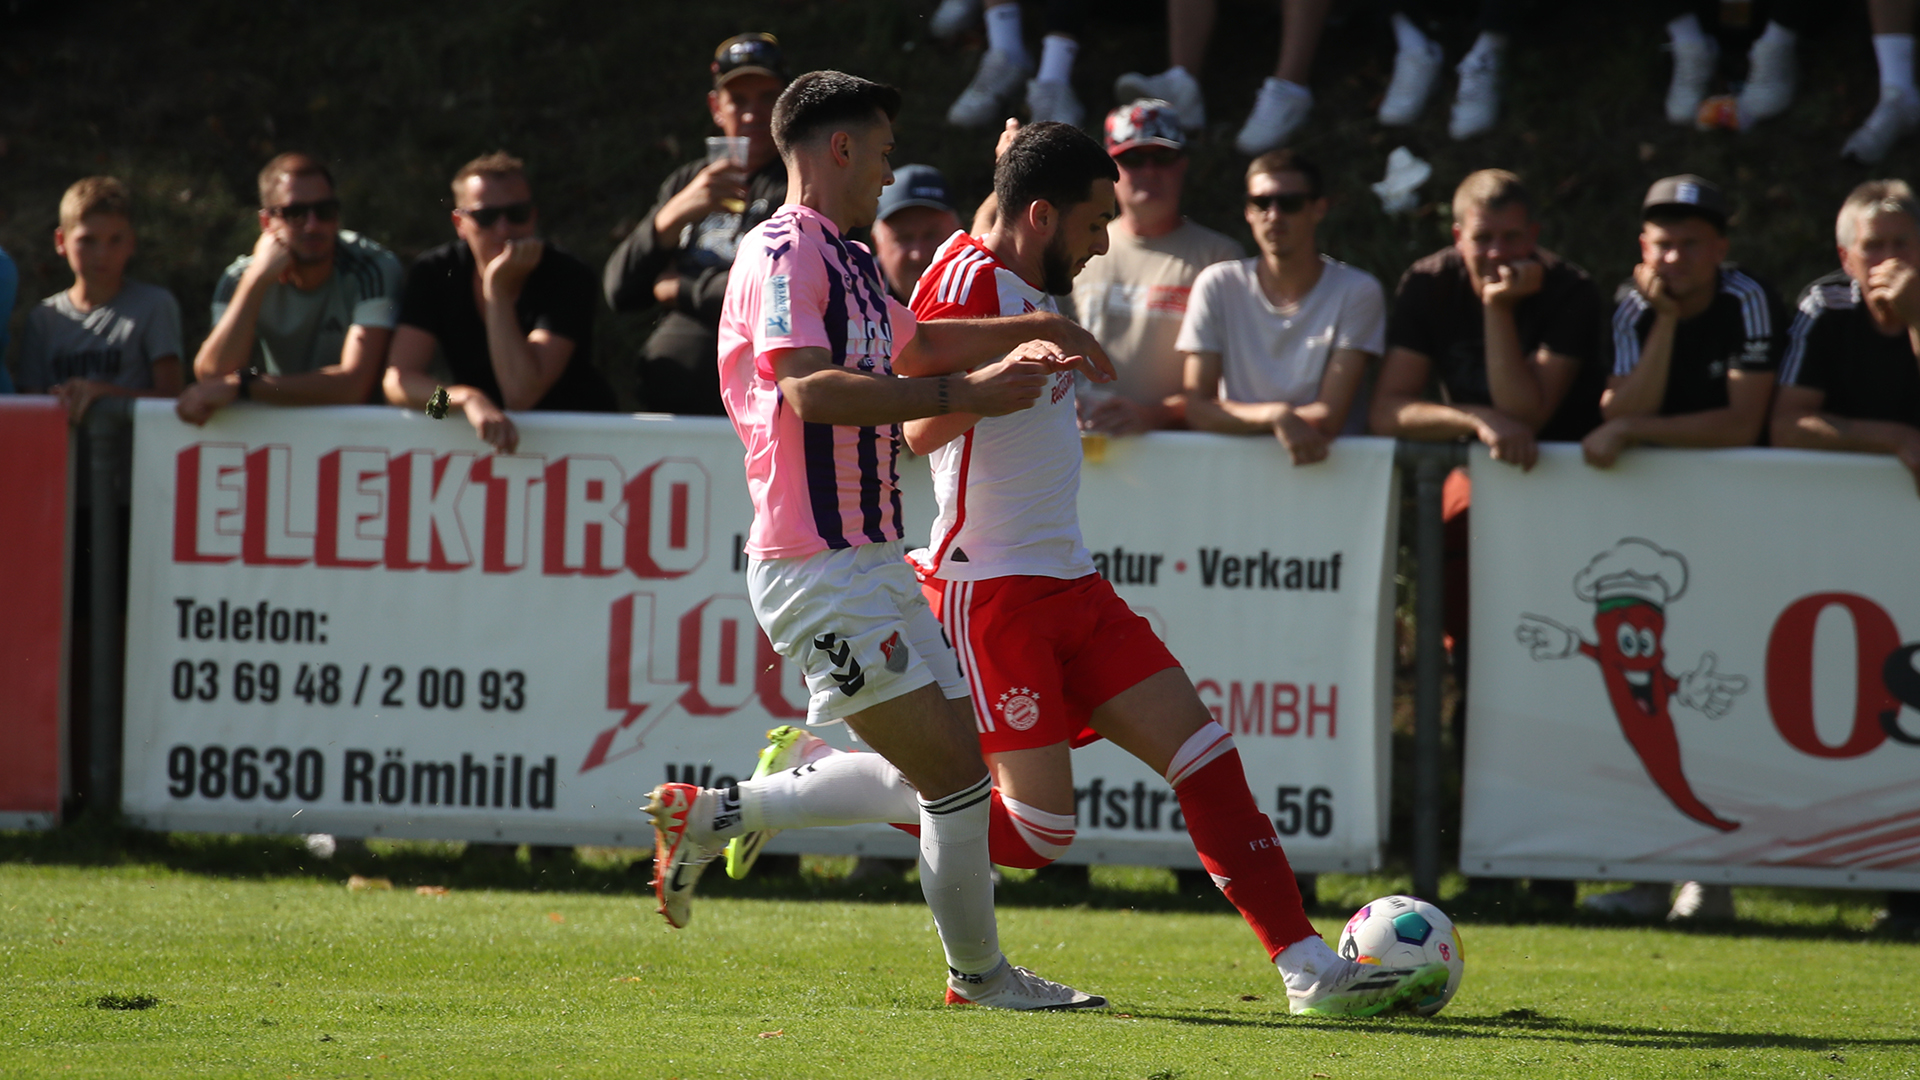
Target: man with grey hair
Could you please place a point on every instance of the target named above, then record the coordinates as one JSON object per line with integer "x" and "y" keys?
{"x": 1850, "y": 379}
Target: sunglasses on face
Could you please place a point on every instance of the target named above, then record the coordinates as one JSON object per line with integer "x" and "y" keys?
{"x": 1139, "y": 159}
{"x": 1291, "y": 203}
{"x": 484, "y": 216}
{"x": 294, "y": 213}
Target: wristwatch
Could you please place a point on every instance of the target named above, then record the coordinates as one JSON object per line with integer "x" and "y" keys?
{"x": 247, "y": 375}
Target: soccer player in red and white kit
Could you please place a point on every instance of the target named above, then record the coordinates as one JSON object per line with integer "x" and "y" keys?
{"x": 1053, "y": 657}
{"x": 808, "y": 338}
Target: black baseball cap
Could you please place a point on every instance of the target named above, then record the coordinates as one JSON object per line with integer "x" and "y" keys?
{"x": 915, "y": 185}
{"x": 748, "y": 54}
{"x": 1688, "y": 194}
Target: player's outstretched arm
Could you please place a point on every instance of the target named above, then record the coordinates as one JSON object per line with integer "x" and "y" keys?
{"x": 944, "y": 346}
{"x": 823, "y": 392}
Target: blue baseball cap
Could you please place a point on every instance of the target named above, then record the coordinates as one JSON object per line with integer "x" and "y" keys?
{"x": 915, "y": 185}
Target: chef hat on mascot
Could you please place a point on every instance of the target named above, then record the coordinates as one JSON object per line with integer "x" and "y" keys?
{"x": 1634, "y": 569}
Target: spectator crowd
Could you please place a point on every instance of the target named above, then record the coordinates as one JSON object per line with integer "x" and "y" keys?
{"x": 1492, "y": 338}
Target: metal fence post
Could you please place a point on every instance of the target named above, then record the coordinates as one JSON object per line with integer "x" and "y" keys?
{"x": 1431, "y": 462}
{"x": 107, "y": 421}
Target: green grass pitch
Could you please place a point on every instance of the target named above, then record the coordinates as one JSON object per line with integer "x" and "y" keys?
{"x": 232, "y": 957}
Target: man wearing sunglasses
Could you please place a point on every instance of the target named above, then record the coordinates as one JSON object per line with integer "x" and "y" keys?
{"x": 1290, "y": 333}
{"x": 511, "y": 314}
{"x": 306, "y": 318}
{"x": 678, "y": 256}
{"x": 1132, "y": 298}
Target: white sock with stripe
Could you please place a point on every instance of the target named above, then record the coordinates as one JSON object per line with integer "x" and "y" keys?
{"x": 1199, "y": 751}
{"x": 838, "y": 789}
{"x": 957, "y": 880}
{"x": 1003, "y": 31}
{"x": 1046, "y": 834}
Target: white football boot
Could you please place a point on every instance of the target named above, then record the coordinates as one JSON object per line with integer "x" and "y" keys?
{"x": 1174, "y": 86}
{"x": 1278, "y": 112}
{"x": 1892, "y": 120}
{"x": 1013, "y": 987}
{"x": 1414, "y": 73}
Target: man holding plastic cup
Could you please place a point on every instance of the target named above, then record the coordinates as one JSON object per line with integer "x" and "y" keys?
{"x": 679, "y": 254}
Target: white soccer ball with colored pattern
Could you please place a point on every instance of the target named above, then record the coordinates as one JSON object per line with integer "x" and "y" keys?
{"x": 1403, "y": 931}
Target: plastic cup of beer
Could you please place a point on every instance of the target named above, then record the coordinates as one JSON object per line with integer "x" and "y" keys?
{"x": 731, "y": 148}
{"x": 1093, "y": 447}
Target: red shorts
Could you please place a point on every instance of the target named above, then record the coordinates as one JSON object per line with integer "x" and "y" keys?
{"x": 1040, "y": 654}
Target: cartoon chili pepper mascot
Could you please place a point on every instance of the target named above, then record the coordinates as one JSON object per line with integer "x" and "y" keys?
{"x": 1631, "y": 586}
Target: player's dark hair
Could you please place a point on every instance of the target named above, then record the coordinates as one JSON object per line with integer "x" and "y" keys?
{"x": 1052, "y": 161}
{"x": 823, "y": 101}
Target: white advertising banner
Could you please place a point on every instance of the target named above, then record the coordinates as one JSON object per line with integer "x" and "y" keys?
{"x": 359, "y": 621}
{"x": 1695, "y": 665}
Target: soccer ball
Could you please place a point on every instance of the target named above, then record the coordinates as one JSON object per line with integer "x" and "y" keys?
{"x": 1401, "y": 931}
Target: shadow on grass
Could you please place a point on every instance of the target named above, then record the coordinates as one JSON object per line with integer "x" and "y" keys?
{"x": 91, "y": 842}
{"x": 1527, "y": 1024}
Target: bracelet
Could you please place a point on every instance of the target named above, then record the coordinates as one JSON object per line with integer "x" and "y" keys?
{"x": 247, "y": 375}
{"x": 941, "y": 383}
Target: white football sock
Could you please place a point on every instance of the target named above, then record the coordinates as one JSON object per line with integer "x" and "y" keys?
{"x": 1409, "y": 37}
{"x": 1304, "y": 962}
{"x": 957, "y": 880}
{"x": 1686, "y": 28}
{"x": 1003, "y": 30}
{"x": 1895, "y": 54}
{"x": 1056, "y": 58}
{"x": 839, "y": 789}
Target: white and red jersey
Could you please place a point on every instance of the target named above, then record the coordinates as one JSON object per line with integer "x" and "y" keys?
{"x": 797, "y": 283}
{"x": 1008, "y": 490}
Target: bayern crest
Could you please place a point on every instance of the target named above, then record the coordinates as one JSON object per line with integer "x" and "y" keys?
{"x": 1021, "y": 708}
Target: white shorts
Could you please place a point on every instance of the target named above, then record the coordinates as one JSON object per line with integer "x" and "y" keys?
{"x": 856, "y": 623}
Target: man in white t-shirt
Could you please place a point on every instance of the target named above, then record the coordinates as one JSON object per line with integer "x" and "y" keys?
{"x": 1132, "y": 298}
{"x": 1290, "y": 332}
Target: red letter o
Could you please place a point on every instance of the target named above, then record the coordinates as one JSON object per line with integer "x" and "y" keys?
{"x": 1790, "y": 674}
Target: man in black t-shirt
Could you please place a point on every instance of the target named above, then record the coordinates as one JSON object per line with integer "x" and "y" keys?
{"x": 510, "y": 314}
{"x": 1696, "y": 341}
{"x": 1851, "y": 376}
{"x": 1505, "y": 328}
{"x": 679, "y": 255}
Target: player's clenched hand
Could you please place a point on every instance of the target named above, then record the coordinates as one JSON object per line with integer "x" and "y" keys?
{"x": 494, "y": 427}
{"x": 1510, "y": 440}
{"x": 1894, "y": 285}
{"x": 1305, "y": 443}
{"x": 1005, "y": 386}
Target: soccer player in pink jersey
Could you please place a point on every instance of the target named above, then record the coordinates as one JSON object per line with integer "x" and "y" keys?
{"x": 1051, "y": 653}
{"x": 808, "y": 341}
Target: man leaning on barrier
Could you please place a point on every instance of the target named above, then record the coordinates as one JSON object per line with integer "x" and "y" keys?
{"x": 306, "y": 318}
{"x": 1290, "y": 333}
{"x": 510, "y": 313}
{"x": 679, "y": 255}
{"x": 1696, "y": 340}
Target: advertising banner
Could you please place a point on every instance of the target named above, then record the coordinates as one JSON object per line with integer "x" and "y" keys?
{"x": 36, "y": 505}
{"x": 359, "y": 621}
{"x": 1695, "y": 665}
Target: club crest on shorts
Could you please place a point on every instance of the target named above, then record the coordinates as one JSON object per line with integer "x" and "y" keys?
{"x": 1020, "y": 708}
{"x": 895, "y": 650}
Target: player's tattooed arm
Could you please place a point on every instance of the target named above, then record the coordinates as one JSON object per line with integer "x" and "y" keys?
{"x": 944, "y": 346}
{"x": 823, "y": 392}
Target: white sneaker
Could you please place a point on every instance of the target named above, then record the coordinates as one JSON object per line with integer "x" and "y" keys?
{"x": 1897, "y": 114}
{"x": 1414, "y": 73}
{"x": 1770, "y": 79}
{"x": 1476, "y": 105}
{"x": 953, "y": 17}
{"x": 1694, "y": 62}
{"x": 1013, "y": 987}
{"x": 984, "y": 100}
{"x": 1174, "y": 86}
{"x": 1644, "y": 901}
{"x": 1277, "y": 113}
{"x": 1053, "y": 101}
{"x": 1349, "y": 989}
{"x": 1697, "y": 902}
{"x": 678, "y": 858}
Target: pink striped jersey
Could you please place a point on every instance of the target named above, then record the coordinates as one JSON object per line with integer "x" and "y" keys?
{"x": 797, "y": 283}
{"x": 1008, "y": 489}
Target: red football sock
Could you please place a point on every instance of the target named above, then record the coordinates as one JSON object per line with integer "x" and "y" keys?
{"x": 1020, "y": 835}
{"x": 1239, "y": 848}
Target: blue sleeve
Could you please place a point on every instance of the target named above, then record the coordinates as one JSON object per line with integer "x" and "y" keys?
{"x": 9, "y": 288}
